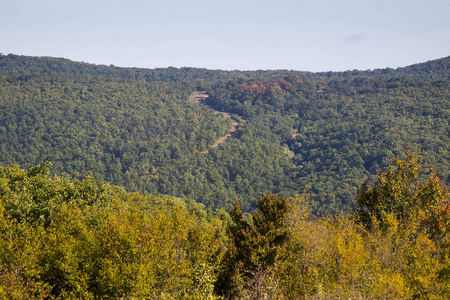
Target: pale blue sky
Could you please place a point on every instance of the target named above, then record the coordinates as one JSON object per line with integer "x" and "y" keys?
{"x": 314, "y": 35}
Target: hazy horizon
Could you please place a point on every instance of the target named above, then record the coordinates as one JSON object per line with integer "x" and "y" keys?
{"x": 108, "y": 65}
{"x": 320, "y": 36}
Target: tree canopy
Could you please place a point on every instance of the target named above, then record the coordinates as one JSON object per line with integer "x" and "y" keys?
{"x": 324, "y": 133}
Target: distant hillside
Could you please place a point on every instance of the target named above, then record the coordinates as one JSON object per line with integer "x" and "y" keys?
{"x": 324, "y": 133}
{"x": 121, "y": 131}
{"x": 434, "y": 69}
{"x": 18, "y": 64}
{"x": 340, "y": 133}
{"x": 14, "y": 64}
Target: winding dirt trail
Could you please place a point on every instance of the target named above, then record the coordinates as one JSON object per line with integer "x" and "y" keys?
{"x": 199, "y": 98}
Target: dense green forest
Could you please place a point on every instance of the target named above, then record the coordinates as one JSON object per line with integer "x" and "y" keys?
{"x": 340, "y": 133}
{"x": 320, "y": 133}
{"x": 110, "y": 186}
{"x": 63, "y": 238}
{"x": 121, "y": 131}
{"x": 19, "y": 64}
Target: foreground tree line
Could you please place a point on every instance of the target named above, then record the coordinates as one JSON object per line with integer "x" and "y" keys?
{"x": 84, "y": 239}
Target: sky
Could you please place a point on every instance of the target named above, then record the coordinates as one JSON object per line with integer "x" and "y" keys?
{"x": 313, "y": 35}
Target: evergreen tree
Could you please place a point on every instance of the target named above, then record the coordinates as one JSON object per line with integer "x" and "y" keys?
{"x": 255, "y": 245}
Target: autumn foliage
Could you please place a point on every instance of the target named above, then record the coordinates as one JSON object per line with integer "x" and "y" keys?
{"x": 84, "y": 239}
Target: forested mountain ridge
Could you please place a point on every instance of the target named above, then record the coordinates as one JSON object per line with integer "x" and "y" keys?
{"x": 19, "y": 64}
{"x": 433, "y": 69}
{"x": 14, "y": 64}
{"x": 325, "y": 133}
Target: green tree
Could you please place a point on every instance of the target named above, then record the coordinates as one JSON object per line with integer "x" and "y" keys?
{"x": 255, "y": 246}
{"x": 400, "y": 191}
